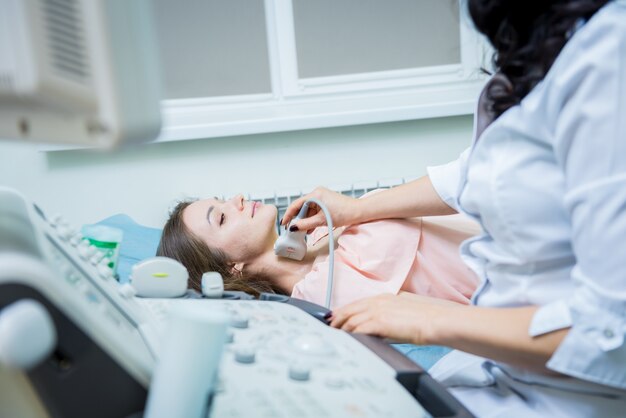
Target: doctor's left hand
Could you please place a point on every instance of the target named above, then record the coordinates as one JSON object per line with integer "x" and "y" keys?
{"x": 405, "y": 317}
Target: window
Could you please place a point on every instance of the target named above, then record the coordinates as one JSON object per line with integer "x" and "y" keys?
{"x": 212, "y": 48}
{"x": 253, "y": 66}
{"x": 364, "y": 36}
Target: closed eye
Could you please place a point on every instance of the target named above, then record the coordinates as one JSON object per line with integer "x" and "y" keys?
{"x": 222, "y": 218}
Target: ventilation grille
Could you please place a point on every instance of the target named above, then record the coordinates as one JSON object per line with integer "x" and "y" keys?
{"x": 283, "y": 200}
{"x": 66, "y": 38}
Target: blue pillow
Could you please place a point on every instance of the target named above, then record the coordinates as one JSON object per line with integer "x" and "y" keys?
{"x": 139, "y": 242}
{"x": 426, "y": 356}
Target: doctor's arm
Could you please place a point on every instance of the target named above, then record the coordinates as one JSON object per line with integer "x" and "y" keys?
{"x": 496, "y": 333}
{"x": 430, "y": 195}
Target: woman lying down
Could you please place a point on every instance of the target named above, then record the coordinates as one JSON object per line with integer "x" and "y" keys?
{"x": 236, "y": 238}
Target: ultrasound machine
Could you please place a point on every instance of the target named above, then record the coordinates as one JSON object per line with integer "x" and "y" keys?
{"x": 84, "y": 345}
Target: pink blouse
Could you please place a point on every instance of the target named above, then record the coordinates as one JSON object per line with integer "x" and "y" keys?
{"x": 419, "y": 255}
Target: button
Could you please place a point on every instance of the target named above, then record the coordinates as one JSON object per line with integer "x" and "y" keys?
{"x": 312, "y": 344}
{"x": 72, "y": 278}
{"x": 608, "y": 333}
{"x": 335, "y": 382}
{"x": 64, "y": 232}
{"x": 96, "y": 258}
{"x": 127, "y": 290}
{"x": 104, "y": 271}
{"x": 92, "y": 297}
{"x": 299, "y": 372}
{"x": 56, "y": 220}
{"x": 83, "y": 250}
{"x": 76, "y": 239}
{"x": 91, "y": 251}
{"x": 239, "y": 321}
{"x": 245, "y": 355}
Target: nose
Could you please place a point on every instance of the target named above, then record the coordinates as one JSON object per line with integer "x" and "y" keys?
{"x": 238, "y": 202}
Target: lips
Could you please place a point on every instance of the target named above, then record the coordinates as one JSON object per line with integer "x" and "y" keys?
{"x": 253, "y": 208}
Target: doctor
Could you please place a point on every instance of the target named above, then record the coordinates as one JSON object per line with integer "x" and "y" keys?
{"x": 546, "y": 178}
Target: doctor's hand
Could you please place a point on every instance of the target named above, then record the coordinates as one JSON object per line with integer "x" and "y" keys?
{"x": 343, "y": 210}
{"x": 405, "y": 317}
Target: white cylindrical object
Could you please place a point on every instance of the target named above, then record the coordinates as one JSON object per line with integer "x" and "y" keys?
{"x": 186, "y": 370}
{"x": 27, "y": 334}
{"x": 212, "y": 285}
{"x": 159, "y": 277}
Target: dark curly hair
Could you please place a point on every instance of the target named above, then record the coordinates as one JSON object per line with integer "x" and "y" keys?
{"x": 527, "y": 37}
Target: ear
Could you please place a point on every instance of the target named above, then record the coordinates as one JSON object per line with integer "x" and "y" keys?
{"x": 237, "y": 268}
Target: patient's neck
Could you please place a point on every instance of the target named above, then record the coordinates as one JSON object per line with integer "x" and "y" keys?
{"x": 284, "y": 272}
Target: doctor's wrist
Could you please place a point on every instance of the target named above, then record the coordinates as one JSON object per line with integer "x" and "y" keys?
{"x": 440, "y": 330}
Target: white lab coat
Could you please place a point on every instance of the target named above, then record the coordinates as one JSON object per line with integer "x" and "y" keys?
{"x": 547, "y": 182}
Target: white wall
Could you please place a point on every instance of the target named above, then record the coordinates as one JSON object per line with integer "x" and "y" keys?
{"x": 87, "y": 186}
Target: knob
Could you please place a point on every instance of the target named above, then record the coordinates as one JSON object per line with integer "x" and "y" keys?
{"x": 335, "y": 382}
{"x": 127, "y": 290}
{"x": 91, "y": 251}
{"x": 299, "y": 372}
{"x": 96, "y": 258}
{"x": 56, "y": 220}
{"x": 27, "y": 333}
{"x": 239, "y": 321}
{"x": 104, "y": 271}
{"x": 76, "y": 239}
{"x": 64, "y": 232}
{"x": 312, "y": 344}
{"x": 83, "y": 250}
{"x": 245, "y": 355}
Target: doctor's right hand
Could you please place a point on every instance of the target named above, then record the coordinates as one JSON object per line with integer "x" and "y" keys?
{"x": 343, "y": 210}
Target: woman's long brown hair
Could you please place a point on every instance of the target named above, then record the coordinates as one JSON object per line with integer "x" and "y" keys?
{"x": 179, "y": 243}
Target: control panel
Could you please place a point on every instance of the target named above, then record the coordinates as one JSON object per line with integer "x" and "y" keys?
{"x": 280, "y": 362}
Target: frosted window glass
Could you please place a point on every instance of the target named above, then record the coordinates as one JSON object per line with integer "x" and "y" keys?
{"x": 335, "y": 37}
{"x": 212, "y": 47}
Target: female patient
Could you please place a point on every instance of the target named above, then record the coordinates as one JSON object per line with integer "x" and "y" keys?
{"x": 236, "y": 239}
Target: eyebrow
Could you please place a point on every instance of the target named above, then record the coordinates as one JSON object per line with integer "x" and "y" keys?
{"x": 208, "y": 214}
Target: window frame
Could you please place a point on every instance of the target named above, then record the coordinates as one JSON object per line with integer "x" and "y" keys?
{"x": 295, "y": 104}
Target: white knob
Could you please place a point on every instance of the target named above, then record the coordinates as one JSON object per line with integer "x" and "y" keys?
{"x": 299, "y": 372}
{"x": 76, "y": 239}
{"x": 312, "y": 344}
{"x": 127, "y": 290}
{"x": 96, "y": 258}
{"x": 83, "y": 250}
{"x": 245, "y": 355}
{"x": 56, "y": 220}
{"x": 104, "y": 271}
{"x": 64, "y": 232}
{"x": 91, "y": 251}
{"x": 212, "y": 285}
{"x": 27, "y": 334}
{"x": 239, "y": 321}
